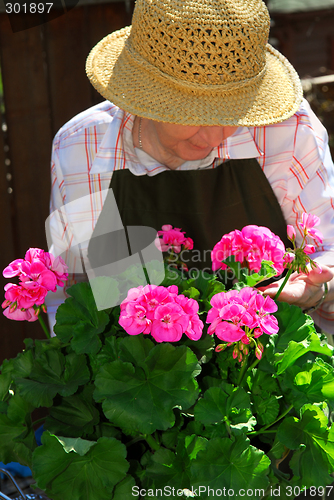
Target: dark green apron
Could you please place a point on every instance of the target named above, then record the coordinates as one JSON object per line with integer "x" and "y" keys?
{"x": 206, "y": 204}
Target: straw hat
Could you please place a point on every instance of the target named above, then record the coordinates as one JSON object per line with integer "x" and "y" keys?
{"x": 196, "y": 62}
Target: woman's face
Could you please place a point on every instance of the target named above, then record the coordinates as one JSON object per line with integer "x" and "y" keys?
{"x": 190, "y": 143}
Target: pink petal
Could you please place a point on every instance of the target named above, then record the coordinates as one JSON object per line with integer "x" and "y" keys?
{"x": 13, "y": 269}
{"x": 229, "y": 332}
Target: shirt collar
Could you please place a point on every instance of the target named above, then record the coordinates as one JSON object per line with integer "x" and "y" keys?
{"x": 116, "y": 150}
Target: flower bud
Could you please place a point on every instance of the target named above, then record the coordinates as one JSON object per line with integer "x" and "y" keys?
{"x": 291, "y": 232}
{"x": 308, "y": 249}
{"x": 220, "y": 347}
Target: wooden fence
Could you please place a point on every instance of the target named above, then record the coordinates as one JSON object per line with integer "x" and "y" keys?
{"x": 44, "y": 82}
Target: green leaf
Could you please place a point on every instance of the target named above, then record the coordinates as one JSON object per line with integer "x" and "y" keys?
{"x": 231, "y": 464}
{"x": 250, "y": 278}
{"x": 192, "y": 293}
{"x": 173, "y": 469}
{"x": 109, "y": 352}
{"x": 313, "y": 383}
{"x": 140, "y": 396}
{"x": 266, "y": 272}
{"x": 19, "y": 410}
{"x": 68, "y": 475}
{"x": 203, "y": 348}
{"x": 314, "y": 459}
{"x": 226, "y": 404}
{"x": 79, "y": 321}
{"x": 5, "y": 381}
{"x": 53, "y": 373}
{"x": 297, "y": 349}
{"x": 17, "y": 441}
{"x": 293, "y": 325}
{"x": 135, "y": 349}
{"x": 266, "y": 408}
{"x": 259, "y": 381}
{"x": 75, "y": 416}
{"x": 123, "y": 490}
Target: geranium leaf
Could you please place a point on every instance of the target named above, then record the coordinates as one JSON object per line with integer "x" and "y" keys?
{"x": 90, "y": 475}
{"x": 297, "y": 349}
{"x": 75, "y": 416}
{"x": 173, "y": 469}
{"x": 313, "y": 383}
{"x": 141, "y": 396}
{"x": 293, "y": 325}
{"x": 309, "y": 434}
{"x": 123, "y": 489}
{"x": 79, "y": 321}
{"x": 230, "y": 464}
{"x": 135, "y": 349}
{"x": 19, "y": 410}
{"x": 53, "y": 373}
{"x": 226, "y": 404}
{"x": 17, "y": 442}
{"x": 266, "y": 272}
{"x": 266, "y": 408}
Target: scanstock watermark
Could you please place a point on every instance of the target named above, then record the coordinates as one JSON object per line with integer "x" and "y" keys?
{"x": 204, "y": 491}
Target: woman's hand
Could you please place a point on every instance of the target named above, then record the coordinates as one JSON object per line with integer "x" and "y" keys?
{"x": 303, "y": 290}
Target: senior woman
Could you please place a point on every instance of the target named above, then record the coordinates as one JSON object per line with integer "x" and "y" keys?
{"x": 204, "y": 127}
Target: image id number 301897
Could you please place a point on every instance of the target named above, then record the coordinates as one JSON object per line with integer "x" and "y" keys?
{"x": 28, "y": 7}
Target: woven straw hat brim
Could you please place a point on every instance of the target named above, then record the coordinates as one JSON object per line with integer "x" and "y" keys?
{"x": 126, "y": 79}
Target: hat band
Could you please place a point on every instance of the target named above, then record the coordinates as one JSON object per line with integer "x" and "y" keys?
{"x": 135, "y": 58}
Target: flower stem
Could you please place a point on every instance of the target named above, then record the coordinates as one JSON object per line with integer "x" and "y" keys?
{"x": 242, "y": 371}
{"x": 43, "y": 325}
{"x": 288, "y": 274}
{"x": 151, "y": 442}
{"x": 254, "y": 364}
{"x": 255, "y": 433}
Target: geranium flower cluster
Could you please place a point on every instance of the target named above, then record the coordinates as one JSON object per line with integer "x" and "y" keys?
{"x": 250, "y": 246}
{"x": 297, "y": 259}
{"x": 39, "y": 272}
{"x": 161, "y": 312}
{"x": 173, "y": 239}
{"x": 240, "y": 317}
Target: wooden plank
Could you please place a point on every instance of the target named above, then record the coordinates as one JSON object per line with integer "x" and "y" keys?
{"x": 74, "y": 35}
{"x": 29, "y": 139}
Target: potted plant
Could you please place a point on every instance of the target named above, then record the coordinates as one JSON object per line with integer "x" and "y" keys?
{"x": 190, "y": 388}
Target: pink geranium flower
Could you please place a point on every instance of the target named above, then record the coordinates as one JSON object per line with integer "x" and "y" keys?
{"x": 307, "y": 225}
{"x": 161, "y": 312}
{"x": 173, "y": 239}
{"x": 241, "y": 317}
{"x": 297, "y": 258}
{"x": 250, "y": 246}
{"x": 39, "y": 272}
{"x": 170, "y": 323}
